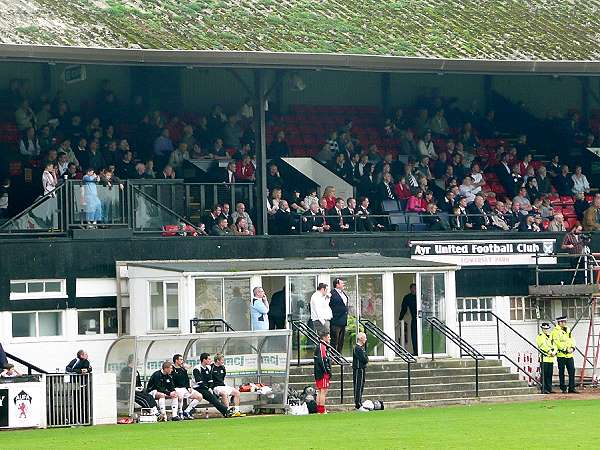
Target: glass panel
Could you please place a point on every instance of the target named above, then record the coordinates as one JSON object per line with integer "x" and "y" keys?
{"x": 209, "y": 299}
{"x": 93, "y": 202}
{"x": 351, "y": 290}
{"x": 110, "y": 321}
{"x": 23, "y": 324}
{"x": 432, "y": 305}
{"x": 157, "y": 307}
{"x": 370, "y": 293}
{"x": 18, "y": 288}
{"x": 150, "y": 215}
{"x": 237, "y": 303}
{"x": 88, "y": 322}
{"x": 52, "y": 286}
{"x": 50, "y": 323}
{"x": 35, "y": 287}
{"x": 172, "y": 305}
{"x": 301, "y": 289}
{"x": 43, "y": 217}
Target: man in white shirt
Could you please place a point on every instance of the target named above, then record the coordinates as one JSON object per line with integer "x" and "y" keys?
{"x": 320, "y": 312}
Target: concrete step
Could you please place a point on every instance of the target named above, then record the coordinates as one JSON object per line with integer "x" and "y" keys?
{"x": 372, "y": 373}
{"x": 443, "y": 402}
{"x": 399, "y": 379}
{"x": 501, "y": 392}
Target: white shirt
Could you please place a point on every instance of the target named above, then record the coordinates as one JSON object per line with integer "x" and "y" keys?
{"x": 343, "y": 295}
{"x": 580, "y": 183}
{"x": 319, "y": 308}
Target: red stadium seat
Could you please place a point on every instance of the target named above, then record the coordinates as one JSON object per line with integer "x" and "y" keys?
{"x": 567, "y": 200}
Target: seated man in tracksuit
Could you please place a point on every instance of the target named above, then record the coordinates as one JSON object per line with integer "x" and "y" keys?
{"x": 161, "y": 386}
{"x": 221, "y": 389}
{"x": 203, "y": 377}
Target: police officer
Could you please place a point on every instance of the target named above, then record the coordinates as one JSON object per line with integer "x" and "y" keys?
{"x": 565, "y": 344}
{"x": 548, "y": 348}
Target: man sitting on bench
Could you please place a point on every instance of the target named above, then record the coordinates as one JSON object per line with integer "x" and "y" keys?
{"x": 204, "y": 384}
{"x": 221, "y": 389}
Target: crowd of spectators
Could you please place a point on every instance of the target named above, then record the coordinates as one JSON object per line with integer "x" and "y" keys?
{"x": 454, "y": 169}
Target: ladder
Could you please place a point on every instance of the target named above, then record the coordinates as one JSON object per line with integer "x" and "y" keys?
{"x": 592, "y": 342}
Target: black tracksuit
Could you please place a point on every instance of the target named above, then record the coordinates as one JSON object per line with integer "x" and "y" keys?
{"x": 218, "y": 375}
{"x": 77, "y": 364}
{"x": 360, "y": 359}
{"x": 180, "y": 376}
{"x": 142, "y": 398}
{"x": 160, "y": 382}
{"x": 203, "y": 377}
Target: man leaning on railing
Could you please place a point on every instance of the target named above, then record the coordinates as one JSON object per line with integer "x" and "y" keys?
{"x": 80, "y": 364}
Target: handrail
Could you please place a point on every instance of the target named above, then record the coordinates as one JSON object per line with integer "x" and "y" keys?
{"x": 460, "y": 342}
{"x": 302, "y": 328}
{"x": 29, "y": 366}
{"x": 390, "y": 343}
{"x": 499, "y": 354}
{"x": 195, "y": 321}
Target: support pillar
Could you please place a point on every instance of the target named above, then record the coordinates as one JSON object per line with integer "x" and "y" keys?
{"x": 261, "y": 152}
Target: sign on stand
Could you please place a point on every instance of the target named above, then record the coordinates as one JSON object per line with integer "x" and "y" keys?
{"x": 22, "y": 404}
{"x": 510, "y": 252}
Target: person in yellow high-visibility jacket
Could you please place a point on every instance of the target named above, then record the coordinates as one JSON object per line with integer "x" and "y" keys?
{"x": 565, "y": 344}
{"x": 548, "y": 348}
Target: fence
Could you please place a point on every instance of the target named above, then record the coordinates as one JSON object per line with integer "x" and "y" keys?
{"x": 68, "y": 399}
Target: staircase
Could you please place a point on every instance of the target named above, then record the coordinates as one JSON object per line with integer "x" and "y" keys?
{"x": 440, "y": 382}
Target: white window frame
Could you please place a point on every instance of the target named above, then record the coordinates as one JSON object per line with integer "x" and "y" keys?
{"x": 564, "y": 311}
{"x": 101, "y": 310}
{"x": 526, "y": 309}
{"x": 38, "y": 295}
{"x": 165, "y": 329}
{"x": 37, "y": 326}
{"x": 474, "y": 312}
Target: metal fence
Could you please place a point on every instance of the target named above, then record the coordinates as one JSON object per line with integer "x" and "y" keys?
{"x": 68, "y": 399}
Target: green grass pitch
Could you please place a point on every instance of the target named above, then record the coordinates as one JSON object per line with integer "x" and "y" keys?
{"x": 503, "y": 426}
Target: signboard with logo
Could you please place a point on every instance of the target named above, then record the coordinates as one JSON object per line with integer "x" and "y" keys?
{"x": 22, "y": 405}
{"x": 509, "y": 252}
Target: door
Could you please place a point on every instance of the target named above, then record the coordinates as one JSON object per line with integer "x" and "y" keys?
{"x": 431, "y": 302}
{"x": 299, "y": 290}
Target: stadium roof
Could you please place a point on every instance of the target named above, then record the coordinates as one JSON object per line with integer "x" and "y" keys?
{"x": 512, "y": 31}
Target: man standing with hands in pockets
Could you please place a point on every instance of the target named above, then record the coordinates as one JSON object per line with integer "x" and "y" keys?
{"x": 320, "y": 312}
{"x": 339, "y": 309}
{"x": 259, "y": 310}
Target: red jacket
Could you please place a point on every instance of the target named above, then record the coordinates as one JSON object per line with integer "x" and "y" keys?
{"x": 244, "y": 172}
{"x": 416, "y": 204}
{"x": 402, "y": 191}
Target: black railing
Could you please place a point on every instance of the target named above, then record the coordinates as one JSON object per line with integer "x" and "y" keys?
{"x": 463, "y": 345}
{"x": 212, "y": 325}
{"x": 302, "y": 328}
{"x": 499, "y": 354}
{"x": 30, "y": 367}
{"x": 390, "y": 343}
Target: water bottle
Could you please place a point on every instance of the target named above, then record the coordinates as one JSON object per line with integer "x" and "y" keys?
{"x": 206, "y": 413}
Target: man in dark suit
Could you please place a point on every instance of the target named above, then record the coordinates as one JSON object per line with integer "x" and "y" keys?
{"x": 409, "y": 303}
{"x": 349, "y": 212}
{"x": 504, "y": 174}
{"x": 385, "y": 189}
{"x": 477, "y": 215}
{"x": 335, "y": 217}
{"x": 210, "y": 220}
{"x": 339, "y": 309}
{"x": 432, "y": 219}
{"x": 220, "y": 228}
{"x": 312, "y": 220}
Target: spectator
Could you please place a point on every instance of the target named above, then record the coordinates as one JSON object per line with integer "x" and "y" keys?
{"x": 524, "y": 165}
{"x": 126, "y": 167}
{"x": 259, "y": 310}
{"x": 65, "y": 146}
{"x": 163, "y": 147}
{"x": 439, "y": 125}
{"x": 531, "y": 187}
{"x": 439, "y": 166}
{"x": 220, "y": 228}
{"x": 581, "y": 204}
{"x": 527, "y": 224}
{"x": 368, "y": 183}
{"x": 4, "y": 198}
{"x": 29, "y": 145}
{"x": 340, "y": 168}
{"x": 448, "y": 202}
{"x": 554, "y": 167}
{"x": 408, "y": 145}
{"x": 543, "y": 182}
{"x": 423, "y": 168}
{"x": 467, "y": 189}
{"x": 498, "y": 217}
{"x": 580, "y": 182}
{"x": 240, "y": 227}
{"x": 320, "y": 312}
{"x": 325, "y": 156}
{"x": 279, "y": 147}
{"x": 386, "y": 189}
{"x": 336, "y": 216}
{"x": 24, "y": 116}
{"x": 416, "y": 203}
{"x": 523, "y": 200}
{"x": 244, "y": 169}
{"x": 504, "y": 174}
{"x": 591, "y": 216}
{"x": 457, "y": 220}
{"x": 232, "y": 132}
{"x": 462, "y": 205}
{"x": 168, "y": 173}
{"x": 285, "y": 221}
{"x": 478, "y": 217}
{"x": 246, "y": 111}
{"x": 426, "y": 147}
{"x": 210, "y": 220}
{"x": 563, "y": 182}
{"x": 402, "y": 190}
{"x": 364, "y": 221}
{"x": 433, "y": 221}
{"x": 225, "y": 212}
{"x": 80, "y": 364}
{"x": 458, "y": 168}
{"x": 9, "y": 372}
{"x": 62, "y": 166}
{"x": 240, "y": 211}
{"x": 49, "y": 178}
{"x": 546, "y": 210}
{"x": 180, "y": 155}
{"x": 557, "y": 224}
{"x": 329, "y": 197}
{"x": 274, "y": 179}
{"x": 313, "y": 220}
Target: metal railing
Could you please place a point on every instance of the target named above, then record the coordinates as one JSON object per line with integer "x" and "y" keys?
{"x": 212, "y": 325}
{"x": 68, "y": 399}
{"x": 464, "y": 346}
{"x": 499, "y": 354}
{"x": 390, "y": 343}
{"x": 302, "y": 328}
{"x": 30, "y": 367}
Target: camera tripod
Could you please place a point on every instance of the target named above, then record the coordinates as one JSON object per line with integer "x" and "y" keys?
{"x": 586, "y": 262}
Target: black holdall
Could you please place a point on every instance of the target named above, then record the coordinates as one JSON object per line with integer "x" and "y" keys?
{"x": 378, "y": 405}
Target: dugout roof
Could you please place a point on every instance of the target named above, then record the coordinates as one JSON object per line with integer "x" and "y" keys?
{"x": 545, "y": 36}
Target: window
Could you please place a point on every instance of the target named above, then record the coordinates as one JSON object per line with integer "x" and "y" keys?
{"x": 164, "y": 305}
{"x": 473, "y": 309}
{"x": 37, "y": 324}
{"x": 526, "y": 308}
{"x": 574, "y": 308}
{"x": 90, "y": 322}
{"x": 223, "y": 298}
{"x": 27, "y": 289}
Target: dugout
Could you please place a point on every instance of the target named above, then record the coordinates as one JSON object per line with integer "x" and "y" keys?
{"x": 250, "y": 357}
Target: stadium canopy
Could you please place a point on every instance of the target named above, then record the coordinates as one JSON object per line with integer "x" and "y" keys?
{"x": 496, "y": 36}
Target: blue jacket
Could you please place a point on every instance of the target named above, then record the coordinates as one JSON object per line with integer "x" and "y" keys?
{"x": 259, "y": 315}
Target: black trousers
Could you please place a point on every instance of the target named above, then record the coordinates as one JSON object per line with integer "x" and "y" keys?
{"x": 359, "y": 376}
{"x": 570, "y": 366}
{"x": 413, "y": 335}
{"x": 144, "y": 399}
{"x": 213, "y": 400}
{"x": 338, "y": 334}
{"x": 547, "y": 369}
